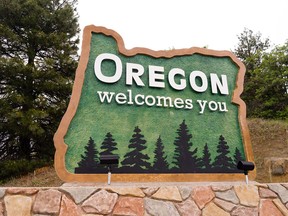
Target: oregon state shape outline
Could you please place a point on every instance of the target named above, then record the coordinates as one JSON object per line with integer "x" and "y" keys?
{"x": 61, "y": 146}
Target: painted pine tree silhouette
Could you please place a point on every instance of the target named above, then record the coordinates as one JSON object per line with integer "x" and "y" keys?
{"x": 205, "y": 162}
{"x": 185, "y": 159}
{"x": 135, "y": 160}
{"x": 90, "y": 160}
{"x": 237, "y": 156}
{"x": 108, "y": 145}
{"x": 160, "y": 162}
{"x": 223, "y": 163}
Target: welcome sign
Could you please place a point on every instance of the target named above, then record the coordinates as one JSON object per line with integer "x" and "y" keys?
{"x": 172, "y": 115}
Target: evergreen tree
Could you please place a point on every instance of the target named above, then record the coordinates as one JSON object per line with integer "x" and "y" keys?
{"x": 108, "y": 145}
{"x": 135, "y": 160}
{"x": 38, "y": 58}
{"x": 160, "y": 162}
{"x": 237, "y": 156}
{"x": 185, "y": 159}
{"x": 90, "y": 160}
{"x": 223, "y": 162}
{"x": 205, "y": 162}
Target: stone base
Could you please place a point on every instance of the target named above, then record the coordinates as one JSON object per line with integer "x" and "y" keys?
{"x": 213, "y": 198}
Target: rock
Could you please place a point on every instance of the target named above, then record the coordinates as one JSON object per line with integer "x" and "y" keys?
{"x": 150, "y": 190}
{"x": 130, "y": 206}
{"x": 257, "y": 184}
{"x": 247, "y": 194}
{"x": 101, "y": 202}
{"x": 285, "y": 185}
{"x": 229, "y": 196}
{"x": 79, "y": 194}
{"x": 2, "y": 192}
{"x": 18, "y": 205}
{"x": 281, "y": 191}
{"x": 243, "y": 210}
{"x": 227, "y": 206}
{"x": 185, "y": 191}
{"x": 43, "y": 215}
{"x": 202, "y": 195}
{"x": 1, "y": 209}
{"x": 153, "y": 206}
{"x": 146, "y": 214}
{"x": 168, "y": 193}
{"x": 87, "y": 215}
{"x": 68, "y": 207}
{"x": 221, "y": 187}
{"x": 280, "y": 206}
{"x": 267, "y": 208}
{"x": 266, "y": 193}
{"x": 212, "y": 210}
{"x": 277, "y": 166}
{"x": 47, "y": 202}
{"x": 22, "y": 191}
{"x": 127, "y": 191}
{"x": 188, "y": 208}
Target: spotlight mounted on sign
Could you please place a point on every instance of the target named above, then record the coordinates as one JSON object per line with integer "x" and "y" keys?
{"x": 109, "y": 160}
{"x": 245, "y": 166}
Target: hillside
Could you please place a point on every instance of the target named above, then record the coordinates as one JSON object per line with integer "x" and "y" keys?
{"x": 269, "y": 139}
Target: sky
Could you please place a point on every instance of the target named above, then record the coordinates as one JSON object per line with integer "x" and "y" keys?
{"x": 168, "y": 24}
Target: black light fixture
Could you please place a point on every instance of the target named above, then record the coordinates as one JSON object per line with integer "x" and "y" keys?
{"x": 245, "y": 166}
{"x": 109, "y": 160}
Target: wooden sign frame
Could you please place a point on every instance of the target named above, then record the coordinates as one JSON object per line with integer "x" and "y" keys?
{"x": 61, "y": 146}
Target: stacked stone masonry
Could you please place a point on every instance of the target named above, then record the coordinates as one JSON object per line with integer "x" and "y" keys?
{"x": 162, "y": 199}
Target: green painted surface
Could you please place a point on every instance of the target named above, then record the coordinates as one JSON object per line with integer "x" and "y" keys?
{"x": 94, "y": 119}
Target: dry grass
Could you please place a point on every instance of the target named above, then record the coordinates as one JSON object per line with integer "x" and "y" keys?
{"x": 45, "y": 178}
{"x": 269, "y": 139}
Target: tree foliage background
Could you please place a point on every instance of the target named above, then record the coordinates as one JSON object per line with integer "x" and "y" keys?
{"x": 266, "y": 79}
{"x": 38, "y": 58}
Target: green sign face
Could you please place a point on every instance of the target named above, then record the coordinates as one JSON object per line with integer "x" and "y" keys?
{"x": 168, "y": 115}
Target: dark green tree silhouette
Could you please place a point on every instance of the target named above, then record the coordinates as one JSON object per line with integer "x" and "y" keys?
{"x": 223, "y": 163}
{"x": 108, "y": 145}
{"x": 135, "y": 160}
{"x": 205, "y": 162}
{"x": 90, "y": 160}
{"x": 160, "y": 162}
{"x": 237, "y": 156}
{"x": 185, "y": 159}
